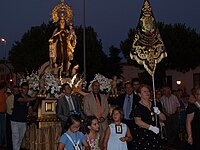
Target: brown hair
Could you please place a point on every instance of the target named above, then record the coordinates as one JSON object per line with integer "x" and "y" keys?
{"x": 119, "y": 110}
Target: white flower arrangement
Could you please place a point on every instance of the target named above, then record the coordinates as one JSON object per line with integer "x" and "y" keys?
{"x": 33, "y": 82}
{"x": 52, "y": 85}
{"x": 105, "y": 83}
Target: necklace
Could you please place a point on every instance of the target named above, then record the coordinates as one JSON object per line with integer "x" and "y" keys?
{"x": 146, "y": 104}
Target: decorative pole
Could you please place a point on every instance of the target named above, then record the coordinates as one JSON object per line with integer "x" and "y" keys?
{"x": 148, "y": 47}
{"x": 5, "y": 46}
{"x": 84, "y": 51}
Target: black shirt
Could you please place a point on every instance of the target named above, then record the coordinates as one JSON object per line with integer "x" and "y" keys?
{"x": 20, "y": 110}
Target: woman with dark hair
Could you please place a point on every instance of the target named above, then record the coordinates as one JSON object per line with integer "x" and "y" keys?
{"x": 146, "y": 133}
{"x": 193, "y": 122}
{"x": 73, "y": 139}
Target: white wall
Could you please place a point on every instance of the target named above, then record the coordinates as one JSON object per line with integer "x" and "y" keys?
{"x": 130, "y": 72}
{"x": 185, "y": 78}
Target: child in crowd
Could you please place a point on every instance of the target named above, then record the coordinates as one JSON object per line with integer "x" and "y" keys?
{"x": 92, "y": 132}
{"x": 73, "y": 139}
{"x": 117, "y": 133}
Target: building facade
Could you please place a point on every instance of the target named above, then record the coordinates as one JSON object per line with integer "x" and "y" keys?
{"x": 174, "y": 78}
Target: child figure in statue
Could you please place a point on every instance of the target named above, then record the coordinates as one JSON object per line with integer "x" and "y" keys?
{"x": 114, "y": 83}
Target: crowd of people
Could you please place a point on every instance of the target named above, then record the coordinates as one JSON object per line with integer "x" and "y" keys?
{"x": 15, "y": 106}
{"x": 137, "y": 122}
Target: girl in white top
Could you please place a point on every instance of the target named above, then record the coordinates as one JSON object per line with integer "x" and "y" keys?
{"x": 117, "y": 133}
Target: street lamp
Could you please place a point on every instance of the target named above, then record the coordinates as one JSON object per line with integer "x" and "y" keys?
{"x": 5, "y": 45}
{"x": 178, "y": 82}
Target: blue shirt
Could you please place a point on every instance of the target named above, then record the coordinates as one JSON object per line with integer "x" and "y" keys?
{"x": 75, "y": 137}
{"x": 127, "y": 108}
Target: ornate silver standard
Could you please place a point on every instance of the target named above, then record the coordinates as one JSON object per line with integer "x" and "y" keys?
{"x": 148, "y": 47}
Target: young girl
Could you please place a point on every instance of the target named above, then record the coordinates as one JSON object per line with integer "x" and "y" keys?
{"x": 117, "y": 133}
{"x": 73, "y": 139}
{"x": 92, "y": 135}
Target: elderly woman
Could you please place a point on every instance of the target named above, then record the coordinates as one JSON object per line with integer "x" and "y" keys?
{"x": 193, "y": 122}
{"x": 147, "y": 133}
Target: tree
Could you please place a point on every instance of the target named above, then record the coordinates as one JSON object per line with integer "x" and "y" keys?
{"x": 182, "y": 45}
{"x": 126, "y": 47}
{"x": 114, "y": 62}
{"x": 33, "y": 49}
{"x": 95, "y": 57}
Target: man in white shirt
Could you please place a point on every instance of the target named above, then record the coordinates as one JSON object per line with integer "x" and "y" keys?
{"x": 171, "y": 108}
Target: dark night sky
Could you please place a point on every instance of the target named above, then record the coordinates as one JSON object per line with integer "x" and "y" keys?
{"x": 111, "y": 19}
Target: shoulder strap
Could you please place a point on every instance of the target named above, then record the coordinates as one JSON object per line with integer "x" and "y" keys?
{"x": 70, "y": 139}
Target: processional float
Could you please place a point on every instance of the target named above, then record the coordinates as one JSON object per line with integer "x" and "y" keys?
{"x": 61, "y": 49}
{"x": 148, "y": 48}
{"x": 46, "y": 134}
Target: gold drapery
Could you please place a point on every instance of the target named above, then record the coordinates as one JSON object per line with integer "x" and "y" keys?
{"x": 45, "y": 138}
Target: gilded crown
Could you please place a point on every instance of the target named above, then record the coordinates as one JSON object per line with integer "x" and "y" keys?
{"x": 62, "y": 11}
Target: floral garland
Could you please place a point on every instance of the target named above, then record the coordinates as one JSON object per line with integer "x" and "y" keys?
{"x": 105, "y": 83}
{"x": 52, "y": 85}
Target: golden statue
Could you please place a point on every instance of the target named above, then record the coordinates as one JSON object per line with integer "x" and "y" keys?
{"x": 63, "y": 41}
{"x": 114, "y": 83}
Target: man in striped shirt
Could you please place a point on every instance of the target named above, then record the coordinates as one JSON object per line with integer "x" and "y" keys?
{"x": 171, "y": 108}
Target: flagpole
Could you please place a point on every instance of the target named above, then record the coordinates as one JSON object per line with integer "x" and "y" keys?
{"x": 144, "y": 50}
{"x": 84, "y": 51}
{"x": 154, "y": 97}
